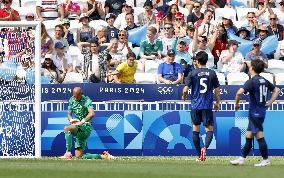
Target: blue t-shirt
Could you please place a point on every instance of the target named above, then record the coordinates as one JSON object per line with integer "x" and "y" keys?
{"x": 202, "y": 82}
{"x": 257, "y": 87}
{"x": 170, "y": 71}
{"x": 112, "y": 32}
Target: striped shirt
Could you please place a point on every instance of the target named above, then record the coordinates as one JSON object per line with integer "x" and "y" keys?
{"x": 49, "y": 8}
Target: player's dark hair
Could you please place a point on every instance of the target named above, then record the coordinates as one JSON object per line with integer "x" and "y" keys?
{"x": 202, "y": 57}
{"x": 258, "y": 65}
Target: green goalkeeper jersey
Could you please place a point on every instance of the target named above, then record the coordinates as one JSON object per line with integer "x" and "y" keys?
{"x": 80, "y": 108}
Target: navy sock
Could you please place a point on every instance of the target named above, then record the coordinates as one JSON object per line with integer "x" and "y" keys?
{"x": 263, "y": 148}
{"x": 196, "y": 141}
{"x": 247, "y": 147}
{"x": 208, "y": 138}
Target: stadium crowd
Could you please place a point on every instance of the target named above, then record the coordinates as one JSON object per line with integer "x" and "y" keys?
{"x": 91, "y": 40}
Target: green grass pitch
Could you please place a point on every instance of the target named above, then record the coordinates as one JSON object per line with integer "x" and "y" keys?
{"x": 139, "y": 167}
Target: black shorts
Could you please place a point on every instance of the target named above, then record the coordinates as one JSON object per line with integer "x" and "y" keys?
{"x": 204, "y": 115}
{"x": 255, "y": 124}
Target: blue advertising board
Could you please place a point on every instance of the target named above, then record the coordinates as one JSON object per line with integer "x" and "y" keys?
{"x": 160, "y": 133}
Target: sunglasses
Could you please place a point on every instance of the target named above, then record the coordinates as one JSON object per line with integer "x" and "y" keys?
{"x": 272, "y": 18}
{"x": 167, "y": 28}
{"x": 196, "y": 6}
{"x": 121, "y": 34}
{"x": 261, "y": 3}
{"x": 256, "y": 45}
{"x": 178, "y": 19}
{"x": 250, "y": 17}
{"x": 282, "y": 4}
{"x": 94, "y": 46}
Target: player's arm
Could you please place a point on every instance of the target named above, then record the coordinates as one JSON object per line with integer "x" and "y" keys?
{"x": 239, "y": 94}
{"x": 185, "y": 93}
{"x": 217, "y": 97}
{"x": 275, "y": 94}
{"x": 91, "y": 113}
{"x": 70, "y": 116}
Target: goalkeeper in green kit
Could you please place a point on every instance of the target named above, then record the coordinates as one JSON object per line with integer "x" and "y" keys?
{"x": 80, "y": 127}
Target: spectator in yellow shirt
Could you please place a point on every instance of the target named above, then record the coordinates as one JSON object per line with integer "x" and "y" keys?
{"x": 125, "y": 71}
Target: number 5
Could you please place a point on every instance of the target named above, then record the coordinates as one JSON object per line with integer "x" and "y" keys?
{"x": 202, "y": 80}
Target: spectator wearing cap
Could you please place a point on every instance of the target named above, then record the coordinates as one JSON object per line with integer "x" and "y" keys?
{"x": 114, "y": 6}
{"x": 48, "y": 69}
{"x": 274, "y": 28}
{"x": 159, "y": 20}
{"x": 129, "y": 18}
{"x": 231, "y": 60}
{"x": 173, "y": 9}
{"x": 72, "y": 8}
{"x": 167, "y": 38}
{"x": 94, "y": 9}
{"x": 8, "y": 13}
{"x": 262, "y": 32}
{"x": 221, "y": 43}
{"x": 196, "y": 14}
{"x": 256, "y": 53}
{"x": 201, "y": 43}
{"x": 170, "y": 72}
{"x": 147, "y": 17}
{"x": 120, "y": 22}
{"x": 85, "y": 32}
{"x": 182, "y": 56}
{"x": 124, "y": 73}
{"x": 67, "y": 34}
{"x": 46, "y": 42}
{"x": 207, "y": 25}
{"x": 151, "y": 48}
{"x": 179, "y": 20}
{"x": 243, "y": 33}
{"x": 58, "y": 36}
{"x": 30, "y": 16}
{"x": 112, "y": 32}
{"x": 251, "y": 25}
{"x": 50, "y": 10}
{"x": 228, "y": 24}
{"x": 61, "y": 59}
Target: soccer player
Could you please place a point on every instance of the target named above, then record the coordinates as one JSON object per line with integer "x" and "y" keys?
{"x": 80, "y": 127}
{"x": 202, "y": 82}
{"x": 257, "y": 87}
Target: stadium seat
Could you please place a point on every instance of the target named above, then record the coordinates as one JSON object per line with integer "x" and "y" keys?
{"x": 219, "y": 13}
{"x": 29, "y": 5}
{"x": 184, "y": 11}
{"x": 138, "y": 10}
{"x": 275, "y": 66}
{"x": 267, "y": 76}
{"x": 73, "y": 77}
{"x": 239, "y": 24}
{"x": 145, "y": 78}
{"x": 237, "y": 78}
{"x": 242, "y": 13}
{"x": 136, "y": 51}
{"x": 151, "y": 66}
{"x": 221, "y": 78}
{"x": 279, "y": 79}
{"x": 97, "y": 23}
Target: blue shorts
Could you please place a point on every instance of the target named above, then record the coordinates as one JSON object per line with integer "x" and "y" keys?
{"x": 204, "y": 115}
{"x": 255, "y": 124}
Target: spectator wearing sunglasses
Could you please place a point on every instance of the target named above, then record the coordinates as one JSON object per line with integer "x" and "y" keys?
{"x": 123, "y": 44}
{"x": 207, "y": 25}
{"x": 147, "y": 17}
{"x": 8, "y": 13}
{"x": 167, "y": 38}
{"x": 251, "y": 25}
{"x": 274, "y": 27}
{"x": 255, "y": 53}
{"x": 196, "y": 14}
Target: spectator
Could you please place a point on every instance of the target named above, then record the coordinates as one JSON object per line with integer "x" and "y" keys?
{"x": 228, "y": 24}
{"x": 173, "y": 9}
{"x": 8, "y": 13}
{"x": 102, "y": 35}
{"x": 182, "y": 56}
{"x": 123, "y": 44}
{"x": 206, "y": 26}
{"x": 112, "y": 32}
{"x": 196, "y": 14}
{"x": 158, "y": 21}
{"x": 129, "y": 18}
{"x": 46, "y": 42}
{"x": 125, "y": 71}
{"x": 243, "y": 33}
{"x": 58, "y": 37}
{"x": 116, "y": 55}
{"x": 72, "y": 9}
{"x": 104, "y": 63}
{"x": 62, "y": 60}
{"x": 252, "y": 25}
{"x": 151, "y": 48}
{"x": 30, "y": 16}
{"x": 170, "y": 72}
{"x": 279, "y": 11}
{"x": 262, "y": 14}
{"x": 67, "y": 34}
{"x": 114, "y": 6}
{"x": 274, "y": 28}
{"x": 262, "y": 32}
{"x": 94, "y": 9}
{"x": 220, "y": 3}
{"x": 147, "y": 17}
{"x": 121, "y": 22}
{"x": 281, "y": 44}
{"x": 231, "y": 60}
{"x": 85, "y": 32}
{"x": 255, "y": 53}
{"x": 167, "y": 38}
{"x": 221, "y": 43}
{"x": 50, "y": 10}
{"x": 48, "y": 69}
{"x": 189, "y": 34}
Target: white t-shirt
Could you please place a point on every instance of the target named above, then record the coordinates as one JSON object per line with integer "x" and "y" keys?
{"x": 234, "y": 64}
{"x": 208, "y": 28}
{"x": 120, "y": 22}
{"x": 49, "y": 8}
{"x": 264, "y": 18}
{"x": 167, "y": 44}
{"x": 210, "y": 62}
{"x": 59, "y": 63}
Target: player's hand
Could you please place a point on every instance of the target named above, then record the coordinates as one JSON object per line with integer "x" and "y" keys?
{"x": 216, "y": 107}
{"x": 184, "y": 96}
{"x": 268, "y": 104}
{"x": 237, "y": 107}
{"x": 74, "y": 121}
